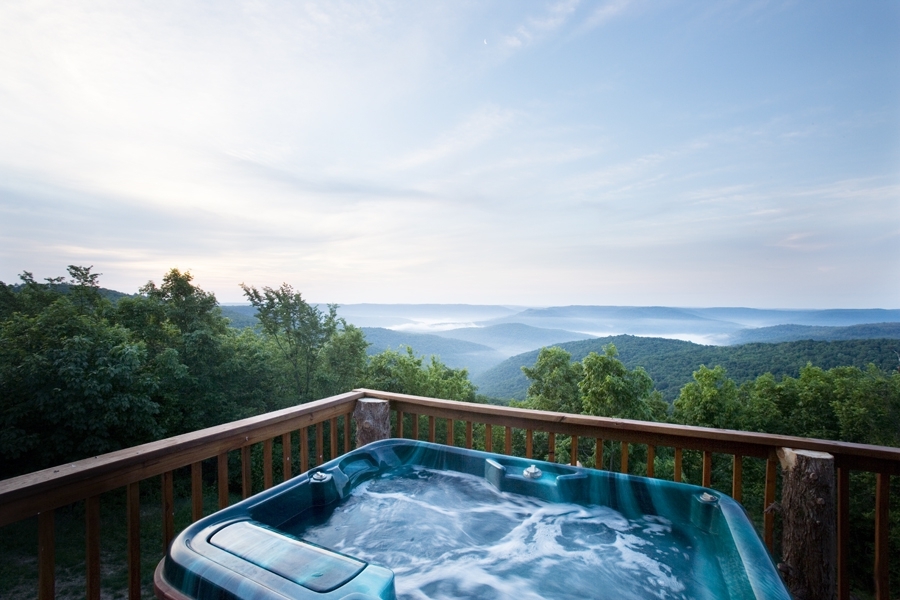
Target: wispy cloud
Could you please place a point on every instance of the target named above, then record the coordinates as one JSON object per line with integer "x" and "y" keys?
{"x": 474, "y": 130}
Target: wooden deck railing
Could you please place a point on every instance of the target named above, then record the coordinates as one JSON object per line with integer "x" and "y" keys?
{"x": 42, "y": 492}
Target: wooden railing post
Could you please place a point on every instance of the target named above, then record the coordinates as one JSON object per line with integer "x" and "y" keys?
{"x": 769, "y": 506}
{"x": 808, "y": 512}
{"x": 133, "y": 507}
{"x": 882, "y": 536}
{"x": 92, "y": 548}
{"x": 222, "y": 465}
{"x": 267, "y": 464}
{"x": 196, "y": 491}
{"x": 737, "y": 477}
{"x": 246, "y": 473}
{"x": 373, "y": 421}
{"x": 168, "y": 508}
{"x": 286, "y": 456}
{"x": 46, "y": 556}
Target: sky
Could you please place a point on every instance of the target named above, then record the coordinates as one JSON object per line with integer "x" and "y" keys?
{"x": 619, "y": 152}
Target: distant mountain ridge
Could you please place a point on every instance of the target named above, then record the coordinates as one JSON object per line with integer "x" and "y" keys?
{"x": 789, "y": 333}
{"x": 457, "y": 354}
{"x": 671, "y": 363}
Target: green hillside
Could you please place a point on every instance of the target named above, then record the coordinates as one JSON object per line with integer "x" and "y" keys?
{"x": 454, "y": 353}
{"x": 790, "y": 333}
{"x": 671, "y": 363}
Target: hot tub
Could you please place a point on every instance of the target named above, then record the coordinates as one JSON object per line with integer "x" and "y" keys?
{"x": 406, "y": 519}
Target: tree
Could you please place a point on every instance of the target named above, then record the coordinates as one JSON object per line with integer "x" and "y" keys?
{"x": 299, "y": 330}
{"x": 554, "y": 382}
{"x": 404, "y": 373}
{"x": 711, "y": 400}
{"x": 72, "y": 383}
{"x": 609, "y": 389}
{"x": 342, "y": 361}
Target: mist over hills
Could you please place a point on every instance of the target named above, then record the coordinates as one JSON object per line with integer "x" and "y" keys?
{"x": 454, "y": 353}
{"x": 493, "y": 342}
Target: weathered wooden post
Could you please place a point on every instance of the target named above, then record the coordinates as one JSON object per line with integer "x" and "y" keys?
{"x": 373, "y": 420}
{"x": 809, "y": 540}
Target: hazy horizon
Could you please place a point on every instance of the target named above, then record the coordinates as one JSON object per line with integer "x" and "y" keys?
{"x": 619, "y": 153}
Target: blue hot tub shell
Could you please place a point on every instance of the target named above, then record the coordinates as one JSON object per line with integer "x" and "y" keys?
{"x": 245, "y": 552}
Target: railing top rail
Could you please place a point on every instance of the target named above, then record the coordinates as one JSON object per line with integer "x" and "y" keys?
{"x": 859, "y": 456}
{"x": 29, "y": 494}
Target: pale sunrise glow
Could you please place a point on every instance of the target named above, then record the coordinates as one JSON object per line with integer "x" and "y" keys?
{"x": 527, "y": 153}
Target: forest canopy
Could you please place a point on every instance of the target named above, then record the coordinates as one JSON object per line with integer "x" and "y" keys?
{"x": 83, "y": 373}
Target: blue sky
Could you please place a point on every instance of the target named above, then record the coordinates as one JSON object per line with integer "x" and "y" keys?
{"x": 529, "y": 153}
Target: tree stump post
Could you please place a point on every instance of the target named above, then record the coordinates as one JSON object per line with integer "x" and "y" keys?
{"x": 809, "y": 520}
{"x": 373, "y": 420}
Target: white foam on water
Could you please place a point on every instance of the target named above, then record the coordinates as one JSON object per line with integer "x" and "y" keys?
{"x": 447, "y": 535}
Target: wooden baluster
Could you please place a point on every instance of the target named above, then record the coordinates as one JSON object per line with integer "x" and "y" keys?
{"x": 304, "y": 449}
{"x": 488, "y": 438}
{"x": 469, "y": 435}
{"x": 400, "y": 424}
{"x": 843, "y": 532}
{"x": 286, "y": 456}
{"x": 92, "y": 547}
{"x": 678, "y": 458}
{"x": 651, "y": 460}
{"x": 769, "y": 515}
{"x": 551, "y": 443}
{"x": 246, "y": 475}
{"x": 573, "y": 451}
{"x": 222, "y": 461}
{"x": 449, "y": 432}
{"x": 168, "y": 508}
{"x": 598, "y": 453}
{"x": 134, "y": 540}
{"x": 334, "y": 441}
{"x": 529, "y": 443}
{"x": 707, "y": 468}
{"x": 320, "y": 443}
{"x": 267, "y": 464}
{"x": 507, "y": 447}
{"x": 431, "y": 428}
{"x": 415, "y": 426}
{"x": 882, "y": 536}
{"x": 196, "y": 491}
{"x": 46, "y": 556}
{"x": 624, "y": 457}
{"x": 737, "y": 477}
{"x": 347, "y": 433}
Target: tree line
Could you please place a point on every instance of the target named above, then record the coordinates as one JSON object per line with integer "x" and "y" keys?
{"x": 81, "y": 374}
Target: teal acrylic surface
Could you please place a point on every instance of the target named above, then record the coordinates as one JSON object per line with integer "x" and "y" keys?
{"x": 406, "y": 519}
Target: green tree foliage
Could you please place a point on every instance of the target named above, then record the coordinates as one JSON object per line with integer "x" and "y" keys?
{"x": 711, "y": 400}
{"x": 81, "y": 375}
{"x": 73, "y": 383}
{"x": 341, "y": 362}
{"x": 554, "y": 382}
{"x": 609, "y": 389}
{"x": 406, "y": 373}
{"x": 299, "y": 330}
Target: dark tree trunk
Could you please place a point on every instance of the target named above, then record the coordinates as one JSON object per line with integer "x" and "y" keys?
{"x": 809, "y": 543}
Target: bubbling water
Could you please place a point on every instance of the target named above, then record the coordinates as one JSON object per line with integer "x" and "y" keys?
{"x": 448, "y": 535}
